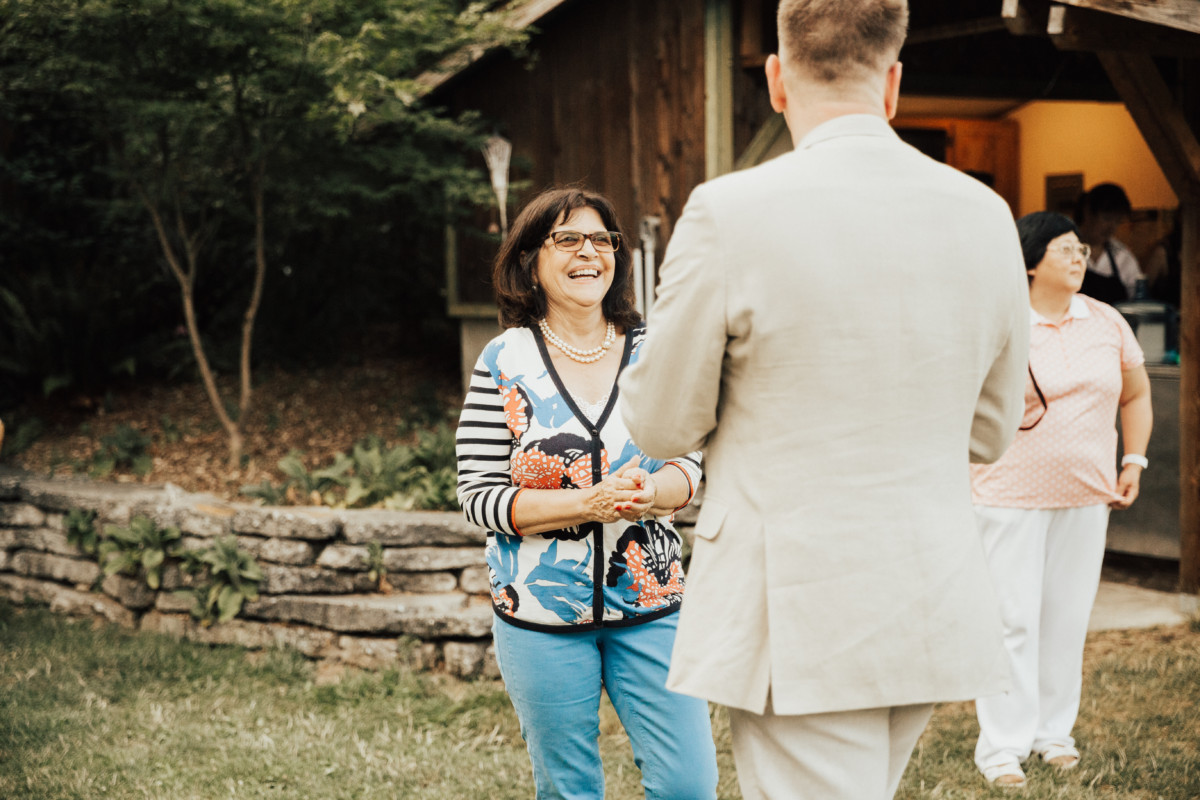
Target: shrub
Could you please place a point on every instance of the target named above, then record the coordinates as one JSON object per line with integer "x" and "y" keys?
{"x": 420, "y": 475}
{"x": 123, "y": 448}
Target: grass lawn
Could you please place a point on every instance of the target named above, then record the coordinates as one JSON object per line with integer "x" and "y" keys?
{"x": 99, "y": 712}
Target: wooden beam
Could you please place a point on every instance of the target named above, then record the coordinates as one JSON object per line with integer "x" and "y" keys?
{"x": 956, "y": 30}
{"x": 1158, "y": 117}
{"x": 1181, "y": 14}
{"x": 1189, "y": 408}
{"x": 1024, "y": 17}
{"x": 520, "y": 16}
{"x": 1079, "y": 29}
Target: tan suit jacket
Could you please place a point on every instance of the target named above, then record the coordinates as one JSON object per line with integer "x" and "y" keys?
{"x": 838, "y": 328}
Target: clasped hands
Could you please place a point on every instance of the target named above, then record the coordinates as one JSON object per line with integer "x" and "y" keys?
{"x": 628, "y": 494}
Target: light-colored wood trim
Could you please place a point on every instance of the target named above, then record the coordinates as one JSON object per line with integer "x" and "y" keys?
{"x": 1023, "y": 19}
{"x": 760, "y": 145}
{"x": 718, "y": 87}
{"x": 1181, "y": 14}
{"x": 455, "y": 308}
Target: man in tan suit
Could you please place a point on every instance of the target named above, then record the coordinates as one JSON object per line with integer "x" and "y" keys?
{"x": 838, "y": 329}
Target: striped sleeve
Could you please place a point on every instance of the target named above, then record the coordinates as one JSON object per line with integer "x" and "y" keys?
{"x": 483, "y": 445}
{"x": 689, "y": 465}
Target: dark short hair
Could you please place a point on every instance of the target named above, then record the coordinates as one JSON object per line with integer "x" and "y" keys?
{"x": 1038, "y": 230}
{"x": 835, "y": 40}
{"x": 1103, "y": 198}
{"x": 513, "y": 270}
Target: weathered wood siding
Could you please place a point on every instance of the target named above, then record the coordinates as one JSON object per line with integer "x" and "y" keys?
{"x": 611, "y": 97}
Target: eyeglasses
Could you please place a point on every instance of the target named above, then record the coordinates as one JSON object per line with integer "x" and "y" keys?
{"x": 572, "y": 241}
{"x": 1071, "y": 250}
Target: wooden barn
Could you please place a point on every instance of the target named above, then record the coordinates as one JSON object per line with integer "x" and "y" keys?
{"x": 644, "y": 99}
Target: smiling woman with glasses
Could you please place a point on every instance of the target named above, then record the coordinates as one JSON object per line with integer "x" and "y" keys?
{"x": 585, "y": 564}
{"x": 1043, "y": 508}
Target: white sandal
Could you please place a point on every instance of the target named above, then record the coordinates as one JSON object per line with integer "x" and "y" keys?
{"x": 1008, "y": 775}
{"x": 1061, "y": 756}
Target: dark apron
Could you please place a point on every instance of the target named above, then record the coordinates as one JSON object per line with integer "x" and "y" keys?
{"x": 1105, "y": 288}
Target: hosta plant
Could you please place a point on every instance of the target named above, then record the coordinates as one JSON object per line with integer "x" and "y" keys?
{"x": 231, "y": 577}
{"x": 81, "y": 530}
{"x": 142, "y": 547}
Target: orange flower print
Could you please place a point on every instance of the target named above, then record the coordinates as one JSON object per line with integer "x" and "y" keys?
{"x": 506, "y": 600}
{"x": 533, "y": 469}
{"x": 645, "y": 563}
{"x": 651, "y": 593}
{"x": 580, "y": 470}
{"x": 516, "y": 409}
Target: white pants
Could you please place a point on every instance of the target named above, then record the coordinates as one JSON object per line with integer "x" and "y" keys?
{"x": 847, "y": 755}
{"x": 1045, "y": 564}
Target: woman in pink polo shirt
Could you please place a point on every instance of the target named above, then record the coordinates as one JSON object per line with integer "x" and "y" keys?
{"x": 1042, "y": 509}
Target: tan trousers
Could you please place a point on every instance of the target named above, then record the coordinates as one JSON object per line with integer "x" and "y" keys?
{"x": 848, "y": 755}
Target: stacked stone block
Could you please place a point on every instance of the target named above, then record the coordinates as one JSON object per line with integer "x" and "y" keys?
{"x": 315, "y": 596}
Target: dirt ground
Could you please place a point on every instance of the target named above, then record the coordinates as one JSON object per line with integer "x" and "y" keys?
{"x": 319, "y": 412}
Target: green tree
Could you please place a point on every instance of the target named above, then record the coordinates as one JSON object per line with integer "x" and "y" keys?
{"x": 236, "y": 123}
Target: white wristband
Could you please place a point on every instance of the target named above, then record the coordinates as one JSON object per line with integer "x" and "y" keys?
{"x": 1133, "y": 458}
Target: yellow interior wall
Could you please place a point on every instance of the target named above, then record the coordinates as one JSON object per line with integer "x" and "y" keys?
{"x": 1098, "y": 139}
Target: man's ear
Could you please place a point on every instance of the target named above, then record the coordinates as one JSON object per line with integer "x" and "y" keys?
{"x": 775, "y": 87}
{"x": 891, "y": 89}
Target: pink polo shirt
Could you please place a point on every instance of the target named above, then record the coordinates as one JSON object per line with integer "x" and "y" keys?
{"x": 1069, "y": 459}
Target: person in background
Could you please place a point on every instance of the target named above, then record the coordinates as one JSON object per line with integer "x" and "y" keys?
{"x": 1113, "y": 271}
{"x": 1164, "y": 267}
{"x": 840, "y": 328}
{"x": 1042, "y": 509}
{"x": 585, "y": 564}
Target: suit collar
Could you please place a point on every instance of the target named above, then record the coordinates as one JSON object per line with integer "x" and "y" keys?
{"x": 848, "y": 125}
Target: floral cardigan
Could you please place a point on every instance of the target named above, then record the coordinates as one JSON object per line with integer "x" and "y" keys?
{"x": 521, "y": 429}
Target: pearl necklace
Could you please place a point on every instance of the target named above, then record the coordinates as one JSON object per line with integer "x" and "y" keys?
{"x": 574, "y": 353}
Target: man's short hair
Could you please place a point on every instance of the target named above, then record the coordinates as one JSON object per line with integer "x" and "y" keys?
{"x": 841, "y": 40}
{"x": 1103, "y": 198}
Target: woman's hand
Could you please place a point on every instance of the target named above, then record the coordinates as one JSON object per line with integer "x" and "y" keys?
{"x": 1128, "y": 484}
{"x": 617, "y": 495}
{"x": 646, "y": 492}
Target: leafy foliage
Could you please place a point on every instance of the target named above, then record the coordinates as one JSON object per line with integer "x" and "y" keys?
{"x": 231, "y": 578}
{"x": 142, "y": 548}
{"x": 20, "y": 433}
{"x": 125, "y": 447}
{"x": 250, "y": 149}
{"x": 81, "y": 530}
{"x": 419, "y": 475}
{"x": 376, "y": 568}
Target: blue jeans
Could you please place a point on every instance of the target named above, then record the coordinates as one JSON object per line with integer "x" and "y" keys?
{"x": 554, "y": 681}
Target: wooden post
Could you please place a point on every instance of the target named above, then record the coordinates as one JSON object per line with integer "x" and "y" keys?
{"x": 1189, "y": 403}
{"x": 1172, "y": 139}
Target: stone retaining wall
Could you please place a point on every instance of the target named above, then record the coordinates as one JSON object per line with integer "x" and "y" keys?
{"x": 315, "y": 596}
